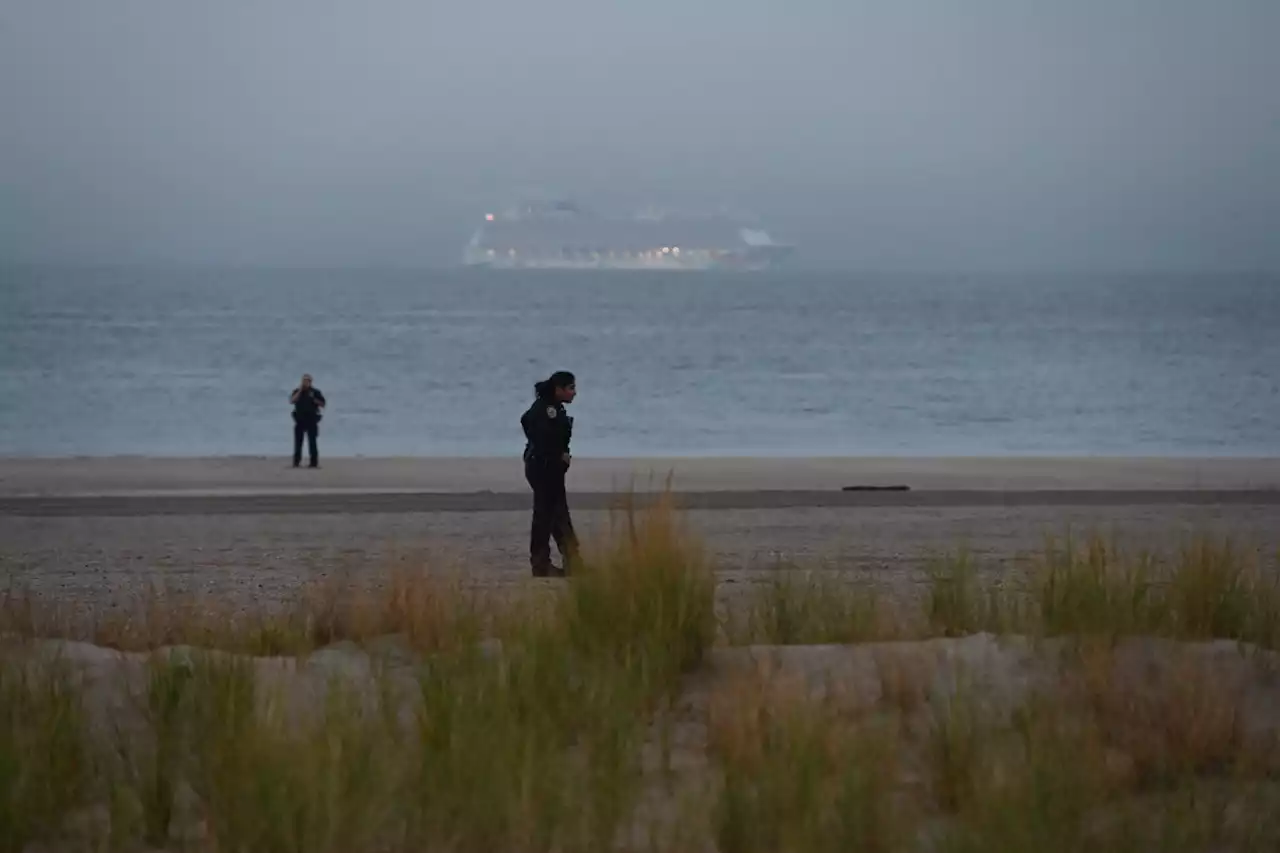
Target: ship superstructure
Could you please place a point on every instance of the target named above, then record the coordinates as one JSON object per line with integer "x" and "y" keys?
{"x": 561, "y": 235}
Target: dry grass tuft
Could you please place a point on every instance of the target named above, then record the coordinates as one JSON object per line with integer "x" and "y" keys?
{"x": 795, "y": 607}
{"x": 1033, "y": 785}
{"x": 648, "y": 599}
{"x": 431, "y": 610}
{"x": 45, "y": 769}
{"x": 960, "y": 603}
{"x": 1217, "y": 590}
{"x": 798, "y": 776}
{"x": 1208, "y": 589}
{"x": 958, "y": 738}
{"x": 1170, "y": 720}
{"x": 1094, "y": 590}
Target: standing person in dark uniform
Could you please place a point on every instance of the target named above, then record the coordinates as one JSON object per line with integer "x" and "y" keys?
{"x": 307, "y": 405}
{"x": 547, "y": 430}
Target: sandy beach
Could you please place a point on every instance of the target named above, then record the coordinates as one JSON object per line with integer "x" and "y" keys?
{"x": 98, "y": 530}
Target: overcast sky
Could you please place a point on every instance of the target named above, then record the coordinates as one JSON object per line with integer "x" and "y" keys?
{"x": 899, "y": 134}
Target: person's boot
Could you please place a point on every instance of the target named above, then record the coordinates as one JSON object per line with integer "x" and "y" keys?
{"x": 547, "y": 570}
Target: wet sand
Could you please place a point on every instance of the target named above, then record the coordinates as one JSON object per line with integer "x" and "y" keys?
{"x": 124, "y": 475}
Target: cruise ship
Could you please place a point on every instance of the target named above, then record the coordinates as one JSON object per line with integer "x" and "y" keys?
{"x": 561, "y": 235}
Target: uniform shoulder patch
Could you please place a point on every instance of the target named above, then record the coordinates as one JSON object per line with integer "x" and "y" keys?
{"x": 551, "y": 411}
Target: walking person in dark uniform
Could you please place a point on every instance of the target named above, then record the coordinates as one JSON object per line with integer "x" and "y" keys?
{"x": 308, "y": 404}
{"x": 547, "y": 430}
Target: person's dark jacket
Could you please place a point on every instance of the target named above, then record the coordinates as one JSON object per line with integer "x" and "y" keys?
{"x": 306, "y": 408}
{"x": 547, "y": 431}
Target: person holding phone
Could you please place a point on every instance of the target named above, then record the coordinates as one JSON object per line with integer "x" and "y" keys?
{"x": 308, "y": 405}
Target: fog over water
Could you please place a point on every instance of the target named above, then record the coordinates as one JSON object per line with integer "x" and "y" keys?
{"x": 925, "y": 135}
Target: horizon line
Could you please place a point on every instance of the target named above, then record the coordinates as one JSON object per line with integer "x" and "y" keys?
{"x": 199, "y": 266}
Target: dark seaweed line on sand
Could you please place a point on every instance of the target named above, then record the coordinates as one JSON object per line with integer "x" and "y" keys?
{"x": 429, "y": 502}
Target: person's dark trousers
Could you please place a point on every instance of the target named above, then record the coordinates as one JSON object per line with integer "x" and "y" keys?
{"x": 551, "y": 518}
{"x": 311, "y": 430}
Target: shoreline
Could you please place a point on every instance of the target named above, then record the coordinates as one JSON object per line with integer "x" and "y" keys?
{"x": 231, "y": 476}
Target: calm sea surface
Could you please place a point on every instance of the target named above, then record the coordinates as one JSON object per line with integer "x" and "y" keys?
{"x": 442, "y": 363}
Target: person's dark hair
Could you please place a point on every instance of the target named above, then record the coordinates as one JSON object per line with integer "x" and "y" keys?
{"x": 546, "y": 387}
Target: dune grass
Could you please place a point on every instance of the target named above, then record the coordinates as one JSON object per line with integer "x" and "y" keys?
{"x": 798, "y": 607}
{"x": 430, "y": 608}
{"x": 532, "y": 745}
{"x": 531, "y": 722}
{"x": 44, "y": 751}
{"x": 1204, "y": 588}
{"x": 1208, "y": 588}
{"x": 796, "y": 776}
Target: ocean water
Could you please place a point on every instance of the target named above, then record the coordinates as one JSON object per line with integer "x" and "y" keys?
{"x": 442, "y": 363}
